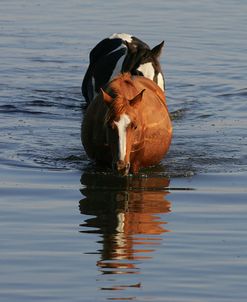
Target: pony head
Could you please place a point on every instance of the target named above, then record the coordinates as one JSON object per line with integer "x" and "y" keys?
{"x": 122, "y": 128}
{"x": 145, "y": 62}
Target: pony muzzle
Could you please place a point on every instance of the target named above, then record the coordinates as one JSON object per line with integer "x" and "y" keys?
{"x": 121, "y": 167}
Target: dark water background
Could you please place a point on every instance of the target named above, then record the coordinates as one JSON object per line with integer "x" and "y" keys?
{"x": 72, "y": 232}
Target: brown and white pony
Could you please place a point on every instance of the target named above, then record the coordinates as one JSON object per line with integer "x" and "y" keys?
{"x": 127, "y": 124}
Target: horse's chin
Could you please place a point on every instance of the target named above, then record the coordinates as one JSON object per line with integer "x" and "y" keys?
{"x": 126, "y": 172}
{"x": 121, "y": 169}
{"x": 123, "y": 173}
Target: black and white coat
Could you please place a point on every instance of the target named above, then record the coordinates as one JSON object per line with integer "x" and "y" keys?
{"x": 121, "y": 53}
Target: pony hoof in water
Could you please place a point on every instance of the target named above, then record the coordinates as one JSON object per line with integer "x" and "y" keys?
{"x": 127, "y": 126}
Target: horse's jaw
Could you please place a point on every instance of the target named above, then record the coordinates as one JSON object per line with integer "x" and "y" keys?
{"x": 121, "y": 168}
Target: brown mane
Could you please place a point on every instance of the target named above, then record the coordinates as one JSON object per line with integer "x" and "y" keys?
{"x": 122, "y": 82}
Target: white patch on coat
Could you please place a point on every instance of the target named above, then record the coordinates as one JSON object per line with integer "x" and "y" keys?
{"x": 122, "y": 125}
{"x": 147, "y": 70}
{"x": 160, "y": 81}
{"x": 123, "y": 36}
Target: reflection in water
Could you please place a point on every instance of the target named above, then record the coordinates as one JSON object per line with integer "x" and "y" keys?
{"x": 125, "y": 214}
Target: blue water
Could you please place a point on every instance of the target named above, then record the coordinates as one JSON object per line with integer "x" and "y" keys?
{"x": 70, "y": 231}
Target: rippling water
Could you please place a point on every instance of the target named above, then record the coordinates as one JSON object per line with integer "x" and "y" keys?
{"x": 71, "y": 231}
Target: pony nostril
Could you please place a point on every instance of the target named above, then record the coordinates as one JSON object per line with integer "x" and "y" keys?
{"x": 120, "y": 165}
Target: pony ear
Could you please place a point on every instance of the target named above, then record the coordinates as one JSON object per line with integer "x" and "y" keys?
{"x": 106, "y": 97}
{"x": 156, "y": 51}
{"x": 136, "y": 99}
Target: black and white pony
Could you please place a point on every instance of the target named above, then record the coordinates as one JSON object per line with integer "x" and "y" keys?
{"x": 121, "y": 53}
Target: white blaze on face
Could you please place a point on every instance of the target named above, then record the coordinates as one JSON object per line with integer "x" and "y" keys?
{"x": 122, "y": 125}
{"x": 147, "y": 70}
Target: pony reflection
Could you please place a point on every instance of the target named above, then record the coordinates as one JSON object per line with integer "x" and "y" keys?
{"x": 127, "y": 214}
